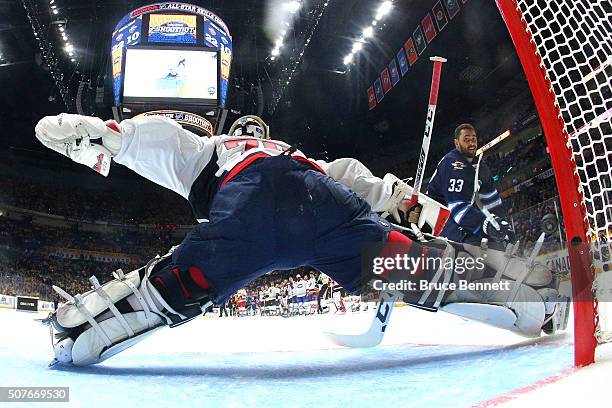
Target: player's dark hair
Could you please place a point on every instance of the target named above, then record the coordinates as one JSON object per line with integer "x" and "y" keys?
{"x": 463, "y": 126}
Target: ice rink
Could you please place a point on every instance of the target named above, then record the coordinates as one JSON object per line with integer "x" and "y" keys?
{"x": 426, "y": 360}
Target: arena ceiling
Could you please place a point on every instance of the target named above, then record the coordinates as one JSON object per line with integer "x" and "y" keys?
{"x": 324, "y": 109}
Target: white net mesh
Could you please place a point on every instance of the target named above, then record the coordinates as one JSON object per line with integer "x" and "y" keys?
{"x": 574, "y": 40}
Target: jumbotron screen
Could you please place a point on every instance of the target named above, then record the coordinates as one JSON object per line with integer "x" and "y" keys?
{"x": 172, "y": 75}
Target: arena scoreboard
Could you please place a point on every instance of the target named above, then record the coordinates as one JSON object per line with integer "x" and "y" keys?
{"x": 171, "y": 55}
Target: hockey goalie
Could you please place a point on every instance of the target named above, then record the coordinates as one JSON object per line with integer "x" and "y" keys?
{"x": 262, "y": 205}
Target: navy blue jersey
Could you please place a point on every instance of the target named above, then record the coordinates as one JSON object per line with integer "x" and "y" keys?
{"x": 453, "y": 185}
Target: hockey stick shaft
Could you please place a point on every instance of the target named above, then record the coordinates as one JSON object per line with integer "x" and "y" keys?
{"x": 429, "y": 121}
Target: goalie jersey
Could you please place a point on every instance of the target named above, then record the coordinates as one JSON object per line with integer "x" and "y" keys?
{"x": 162, "y": 151}
{"x": 453, "y": 185}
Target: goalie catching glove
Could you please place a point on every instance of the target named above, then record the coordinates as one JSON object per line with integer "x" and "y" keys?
{"x": 96, "y": 325}
{"x": 72, "y": 136}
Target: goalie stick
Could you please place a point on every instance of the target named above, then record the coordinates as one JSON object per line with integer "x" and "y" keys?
{"x": 429, "y": 121}
{"x": 375, "y": 333}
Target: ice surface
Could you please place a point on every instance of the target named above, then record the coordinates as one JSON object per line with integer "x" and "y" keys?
{"x": 426, "y": 360}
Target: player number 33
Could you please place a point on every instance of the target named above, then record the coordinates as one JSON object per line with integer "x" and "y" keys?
{"x": 455, "y": 185}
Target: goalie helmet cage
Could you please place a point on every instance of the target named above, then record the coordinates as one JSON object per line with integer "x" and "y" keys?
{"x": 565, "y": 49}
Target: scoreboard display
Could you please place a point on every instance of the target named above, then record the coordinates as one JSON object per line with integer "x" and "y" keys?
{"x": 171, "y": 53}
{"x": 171, "y": 75}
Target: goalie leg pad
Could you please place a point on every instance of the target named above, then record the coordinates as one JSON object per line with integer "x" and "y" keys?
{"x": 525, "y": 309}
{"x": 528, "y": 303}
{"x": 98, "y": 324}
{"x": 510, "y": 266}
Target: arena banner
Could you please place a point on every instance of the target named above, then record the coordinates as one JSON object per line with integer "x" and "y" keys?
{"x": 413, "y": 56}
{"x": 174, "y": 6}
{"x": 184, "y": 118}
{"x": 371, "y": 98}
{"x": 82, "y": 254}
{"x": 26, "y": 303}
{"x": 402, "y": 59}
{"x": 378, "y": 90}
{"x": 386, "y": 80}
{"x": 173, "y": 28}
{"x": 419, "y": 40}
{"x": 395, "y": 78}
{"x": 44, "y": 306}
{"x": 428, "y": 28}
{"x": 558, "y": 261}
{"x": 7, "y": 301}
{"x": 438, "y": 12}
{"x": 452, "y": 6}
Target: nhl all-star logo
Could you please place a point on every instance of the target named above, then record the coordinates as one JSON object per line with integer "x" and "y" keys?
{"x": 458, "y": 165}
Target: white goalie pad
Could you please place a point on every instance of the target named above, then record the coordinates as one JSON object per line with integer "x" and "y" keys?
{"x": 89, "y": 348}
{"x": 524, "y": 307}
{"x": 506, "y": 264}
{"x": 90, "y": 328}
{"x": 74, "y": 313}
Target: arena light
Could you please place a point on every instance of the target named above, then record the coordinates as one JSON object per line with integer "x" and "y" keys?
{"x": 55, "y": 11}
{"x": 69, "y": 48}
{"x": 384, "y": 9}
{"x": 348, "y": 59}
{"x": 293, "y": 6}
{"x": 368, "y": 32}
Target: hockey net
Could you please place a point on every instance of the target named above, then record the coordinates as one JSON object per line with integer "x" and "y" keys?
{"x": 565, "y": 47}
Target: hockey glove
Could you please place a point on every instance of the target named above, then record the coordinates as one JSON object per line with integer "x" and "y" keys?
{"x": 71, "y": 135}
{"x": 397, "y": 204}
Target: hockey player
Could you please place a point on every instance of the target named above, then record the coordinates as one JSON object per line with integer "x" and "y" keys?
{"x": 264, "y": 206}
{"x": 299, "y": 290}
{"x": 453, "y": 185}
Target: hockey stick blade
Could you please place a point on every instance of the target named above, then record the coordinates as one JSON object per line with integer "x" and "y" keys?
{"x": 374, "y": 335}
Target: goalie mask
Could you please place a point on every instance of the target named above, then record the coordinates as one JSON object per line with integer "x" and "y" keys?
{"x": 250, "y": 125}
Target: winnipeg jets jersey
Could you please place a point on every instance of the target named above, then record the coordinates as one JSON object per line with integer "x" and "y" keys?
{"x": 194, "y": 167}
{"x": 453, "y": 185}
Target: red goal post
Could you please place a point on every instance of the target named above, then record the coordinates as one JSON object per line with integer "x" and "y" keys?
{"x": 560, "y": 66}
